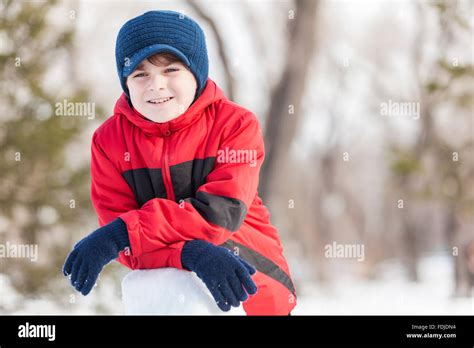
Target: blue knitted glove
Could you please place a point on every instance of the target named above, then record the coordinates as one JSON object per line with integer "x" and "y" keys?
{"x": 225, "y": 274}
{"x": 92, "y": 253}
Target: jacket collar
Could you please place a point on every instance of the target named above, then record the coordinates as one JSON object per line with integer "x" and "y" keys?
{"x": 210, "y": 94}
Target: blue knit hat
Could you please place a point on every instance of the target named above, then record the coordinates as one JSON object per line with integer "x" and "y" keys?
{"x": 161, "y": 32}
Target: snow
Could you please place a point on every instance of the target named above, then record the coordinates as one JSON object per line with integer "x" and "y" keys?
{"x": 391, "y": 293}
{"x": 169, "y": 291}
{"x": 104, "y": 299}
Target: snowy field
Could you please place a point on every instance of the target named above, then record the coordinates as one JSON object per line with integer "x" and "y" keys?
{"x": 389, "y": 294}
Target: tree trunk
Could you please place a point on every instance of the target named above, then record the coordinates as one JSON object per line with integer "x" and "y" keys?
{"x": 281, "y": 125}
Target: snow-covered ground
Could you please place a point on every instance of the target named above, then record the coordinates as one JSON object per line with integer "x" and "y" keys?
{"x": 104, "y": 299}
{"x": 391, "y": 293}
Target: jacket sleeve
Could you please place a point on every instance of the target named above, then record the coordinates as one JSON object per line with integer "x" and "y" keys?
{"x": 111, "y": 197}
{"x": 219, "y": 206}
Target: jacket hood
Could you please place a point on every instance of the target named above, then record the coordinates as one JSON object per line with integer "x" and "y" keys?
{"x": 211, "y": 94}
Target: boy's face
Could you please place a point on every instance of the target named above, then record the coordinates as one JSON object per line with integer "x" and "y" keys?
{"x": 151, "y": 87}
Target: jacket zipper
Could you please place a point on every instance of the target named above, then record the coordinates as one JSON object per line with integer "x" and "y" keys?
{"x": 166, "y": 170}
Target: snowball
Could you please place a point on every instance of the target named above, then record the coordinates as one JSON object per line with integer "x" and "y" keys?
{"x": 168, "y": 291}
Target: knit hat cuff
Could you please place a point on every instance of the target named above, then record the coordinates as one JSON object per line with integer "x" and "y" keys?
{"x": 131, "y": 63}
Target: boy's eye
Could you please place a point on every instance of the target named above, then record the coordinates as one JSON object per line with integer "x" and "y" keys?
{"x": 171, "y": 69}
{"x": 139, "y": 75}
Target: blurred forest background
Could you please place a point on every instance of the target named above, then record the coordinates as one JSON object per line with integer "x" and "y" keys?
{"x": 338, "y": 168}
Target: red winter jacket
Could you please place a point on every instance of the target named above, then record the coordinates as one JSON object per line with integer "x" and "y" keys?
{"x": 185, "y": 179}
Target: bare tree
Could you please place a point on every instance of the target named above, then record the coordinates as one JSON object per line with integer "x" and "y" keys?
{"x": 281, "y": 125}
{"x": 230, "y": 83}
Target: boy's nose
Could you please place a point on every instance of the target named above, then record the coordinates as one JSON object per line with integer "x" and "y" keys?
{"x": 157, "y": 82}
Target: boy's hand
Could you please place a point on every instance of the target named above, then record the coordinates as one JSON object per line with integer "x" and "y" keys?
{"x": 225, "y": 274}
{"x": 92, "y": 253}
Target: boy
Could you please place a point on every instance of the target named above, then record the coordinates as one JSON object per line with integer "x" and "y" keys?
{"x": 175, "y": 173}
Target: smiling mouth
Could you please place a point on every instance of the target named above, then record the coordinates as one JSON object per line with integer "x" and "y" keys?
{"x": 157, "y": 101}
